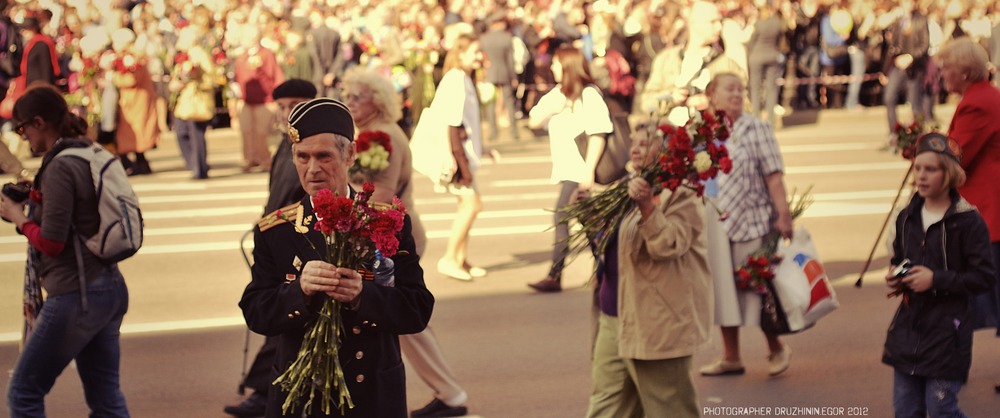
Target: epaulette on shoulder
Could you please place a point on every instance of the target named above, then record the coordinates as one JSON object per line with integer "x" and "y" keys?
{"x": 286, "y": 214}
{"x": 379, "y": 205}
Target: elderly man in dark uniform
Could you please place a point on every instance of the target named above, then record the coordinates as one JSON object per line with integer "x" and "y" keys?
{"x": 290, "y": 282}
{"x": 283, "y": 189}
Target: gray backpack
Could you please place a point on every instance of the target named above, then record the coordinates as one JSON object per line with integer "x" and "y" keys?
{"x": 120, "y": 233}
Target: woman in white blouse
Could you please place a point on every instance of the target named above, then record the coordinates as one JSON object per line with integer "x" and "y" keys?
{"x": 573, "y": 108}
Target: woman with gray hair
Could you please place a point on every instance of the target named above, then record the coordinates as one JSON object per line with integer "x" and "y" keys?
{"x": 376, "y": 106}
{"x": 965, "y": 70}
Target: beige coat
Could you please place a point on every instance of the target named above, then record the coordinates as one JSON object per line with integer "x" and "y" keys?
{"x": 664, "y": 287}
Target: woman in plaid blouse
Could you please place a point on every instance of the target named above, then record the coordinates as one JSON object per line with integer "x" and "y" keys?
{"x": 753, "y": 194}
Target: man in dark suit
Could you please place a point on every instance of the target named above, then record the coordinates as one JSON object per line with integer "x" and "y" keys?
{"x": 498, "y": 45}
{"x": 290, "y": 281}
{"x": 324, "y": 40}
{"x": 283, "y": 189}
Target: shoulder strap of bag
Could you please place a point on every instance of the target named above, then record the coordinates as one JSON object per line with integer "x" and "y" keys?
{"x": 81, "y": 272}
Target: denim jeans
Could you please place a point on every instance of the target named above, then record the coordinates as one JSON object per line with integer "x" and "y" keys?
{"x": 919, "y": 397}
{"x": 191, "y": 141}
{"x": 857, "y": 72}
{"x": 65, "y": 332}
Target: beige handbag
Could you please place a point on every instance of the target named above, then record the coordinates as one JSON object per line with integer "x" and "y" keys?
{"x": 195, "y": 104}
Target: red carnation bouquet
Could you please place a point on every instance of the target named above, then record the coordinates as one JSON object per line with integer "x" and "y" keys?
{"x": 374, "y": 148}
{"x": 758, "y": 270}
{"x": 907, "y": 135}
{"x": 353, "y": 229}
{"x": 755, "y": 274}
{"x": 689, "y": 156}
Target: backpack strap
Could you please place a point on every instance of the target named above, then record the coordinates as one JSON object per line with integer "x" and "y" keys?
{"x": 82, "y": 274}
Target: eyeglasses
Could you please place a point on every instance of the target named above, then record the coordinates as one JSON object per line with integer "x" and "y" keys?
{"x": 19, "y": 128}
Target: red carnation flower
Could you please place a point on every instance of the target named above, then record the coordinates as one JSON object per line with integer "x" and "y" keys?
{"x": 726, "y": 164}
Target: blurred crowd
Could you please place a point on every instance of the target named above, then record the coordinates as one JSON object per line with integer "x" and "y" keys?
{"x": 117, "y": 54}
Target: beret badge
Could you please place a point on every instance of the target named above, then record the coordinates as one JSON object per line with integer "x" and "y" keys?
{"x": 293, "y": 134}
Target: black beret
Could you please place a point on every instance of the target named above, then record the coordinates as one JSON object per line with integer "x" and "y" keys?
{"x": 936, "y": 142}
{"x": 295, "y": 88}
{"x": 317, "y": 116}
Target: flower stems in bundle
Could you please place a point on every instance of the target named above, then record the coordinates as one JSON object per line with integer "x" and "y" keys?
{"x": 317, "y": 366}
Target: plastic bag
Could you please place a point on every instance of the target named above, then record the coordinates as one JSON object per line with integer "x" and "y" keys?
{"x": 801, "y": 283}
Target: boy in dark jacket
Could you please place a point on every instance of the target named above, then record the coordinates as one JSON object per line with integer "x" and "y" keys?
{"x": 943, "y": 237}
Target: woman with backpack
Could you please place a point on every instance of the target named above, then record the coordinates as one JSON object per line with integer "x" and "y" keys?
{"x": 62, "y": 208}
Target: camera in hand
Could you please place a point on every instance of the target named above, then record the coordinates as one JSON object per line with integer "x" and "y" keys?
{"x": 902, "y": 269}
{"x": 18, "y": 193}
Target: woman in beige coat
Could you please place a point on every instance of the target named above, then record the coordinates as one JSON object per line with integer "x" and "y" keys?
{"x": 658, "y": 310}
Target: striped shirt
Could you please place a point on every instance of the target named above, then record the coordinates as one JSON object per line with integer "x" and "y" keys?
{"x": 743, "y": 192}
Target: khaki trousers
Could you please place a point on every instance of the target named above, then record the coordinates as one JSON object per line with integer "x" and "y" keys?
{"x": 256, "y": 122}
{"x": 637, "y": 388}
{"x": 424, "y": 354}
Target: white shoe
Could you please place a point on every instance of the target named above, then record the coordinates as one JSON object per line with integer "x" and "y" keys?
{"x": 723, "y": 368}
{"x": 780, "y": 360}
{"x": 449, "y": 269}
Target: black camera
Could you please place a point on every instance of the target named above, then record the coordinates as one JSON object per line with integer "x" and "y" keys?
{"x": 16, "y": 192}
{"x": 902, "y": 269}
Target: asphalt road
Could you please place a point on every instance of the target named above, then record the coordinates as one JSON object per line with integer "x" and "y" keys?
{"x": 518, "y": 354}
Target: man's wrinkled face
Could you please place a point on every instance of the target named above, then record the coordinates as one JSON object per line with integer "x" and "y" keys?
{"x": 322, "y": 161}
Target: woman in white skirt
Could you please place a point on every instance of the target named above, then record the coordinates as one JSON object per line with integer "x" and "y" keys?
{"x": 753, "y": 195}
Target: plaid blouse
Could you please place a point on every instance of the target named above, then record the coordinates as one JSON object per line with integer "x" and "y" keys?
{"x": 743, "y": 192}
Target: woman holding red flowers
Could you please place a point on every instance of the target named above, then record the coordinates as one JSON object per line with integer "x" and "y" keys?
{"x": 654, "y": 299}
{"x": 752, "y": 198}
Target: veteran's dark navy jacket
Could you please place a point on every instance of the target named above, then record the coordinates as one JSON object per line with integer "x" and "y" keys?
{"x": 274, "y": 305}
{"x": 931, "y": 335}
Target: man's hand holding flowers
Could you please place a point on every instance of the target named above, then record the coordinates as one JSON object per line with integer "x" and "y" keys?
{"x": 339, "y": 283}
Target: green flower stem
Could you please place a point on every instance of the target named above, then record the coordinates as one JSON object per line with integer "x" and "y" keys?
{"x": 317, "y": 367}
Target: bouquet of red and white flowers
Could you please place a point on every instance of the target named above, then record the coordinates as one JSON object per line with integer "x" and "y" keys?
{"x": 353, "y": 230}
{"x": 374, "y": 148}
{"x": 689, "y": 156}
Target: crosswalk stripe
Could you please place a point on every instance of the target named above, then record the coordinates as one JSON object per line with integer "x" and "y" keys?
{"x": 152, "y": 186}
{"x": 842, "y": 168}
{"x": 147, "y": 200}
